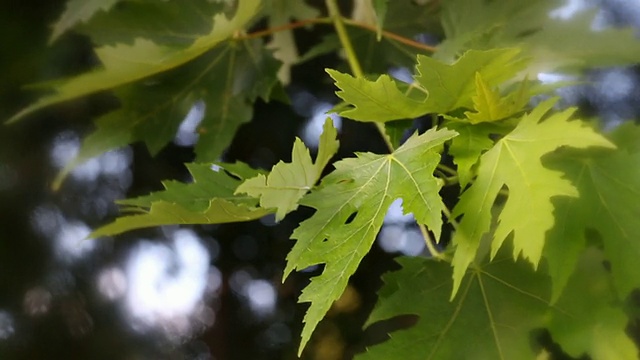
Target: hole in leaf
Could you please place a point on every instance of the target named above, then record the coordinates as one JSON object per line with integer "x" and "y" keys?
{"x": 232, "y": 175}
{"x": 351, "y": 218}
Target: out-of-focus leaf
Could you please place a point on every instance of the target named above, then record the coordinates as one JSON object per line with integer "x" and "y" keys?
{"x": 281, "y": 12}
{"x": 124, "y": 64}
{"x": 554, "y": 43}
{"x": 152, "y": 111}
{"x": 78, "y": 11}
{"x": 380, "y": 6}
{"x": 170, "y": 23}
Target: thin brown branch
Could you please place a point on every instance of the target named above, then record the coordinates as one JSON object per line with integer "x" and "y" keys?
{"x": 326, "y": 20}
{"x": 391, "y": 35}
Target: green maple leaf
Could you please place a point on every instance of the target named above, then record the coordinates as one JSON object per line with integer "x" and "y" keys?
{"x": 443, "y": 87}
{"x": 288, "y": 182}
{"x": 490, "y": 106}
{"x": 78, "y": 11}
{"x": 209, "y": 199}
{"x": 365, "y": 186}
{"x": 124, "y": 64}
{"x": 515, "y": 162}
{"x": 609, "y": 202}
{"x": 152, "y": 111}
{"x": 499, "y": 305}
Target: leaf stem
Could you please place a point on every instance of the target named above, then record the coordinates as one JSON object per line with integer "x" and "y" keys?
{"x": 450, "y": 218}
{"x": 431, "y": 246}
{"x": 448, "y": 170}
{"x": 352, "y": 58}
{"x": 338, "y": 23}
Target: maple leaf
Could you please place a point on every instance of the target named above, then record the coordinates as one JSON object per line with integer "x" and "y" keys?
{"x": 165, "y": 23}
{"x": 499, "y": 305}
{"x": 378, "y": 100}
{"x": 287, "y": 183}
{"x": 78, "y": 11}
{"x": 443, "y": 87}
{"x": 209, "y": 199}
{"x": 515, "y": 162}
{"x": 609, "y": 202}
{"x": 124, "y": 64}
{"x": 152, "y": 111}
{"x": 363, "y": 187}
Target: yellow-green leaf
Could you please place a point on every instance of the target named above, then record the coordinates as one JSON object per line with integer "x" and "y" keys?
{"x": 514, "y": 163}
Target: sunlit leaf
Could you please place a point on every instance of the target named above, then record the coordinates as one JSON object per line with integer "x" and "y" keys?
{"x": 514, "y": 162}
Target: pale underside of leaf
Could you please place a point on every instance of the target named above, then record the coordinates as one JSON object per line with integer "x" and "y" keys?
{"x": 364, "y": 187}
{"x": 78, "y": 11}
{"x": 287, "y": 183}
